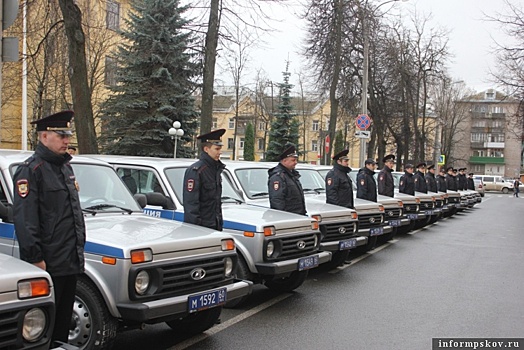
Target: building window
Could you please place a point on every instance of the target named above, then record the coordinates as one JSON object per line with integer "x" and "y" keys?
{"x": 230, "y": 143}
{"x": 315, "y": 125}
{"x": 314, "y": 146}
{"x": 498, "y": 109}
{"x": 231, "y": 124}
{"x": 497, "y": 124}
{"x": 479, "y": 124}
{"x": 490, "y": 95}
{"x": 215, "y": 123}
{"x": 260, "y": 144}
{"x": 113, "y": 15}
{"x": 110, "y": 71}
{"x": 242, "y": 140}
{"x": 261, "y": 126}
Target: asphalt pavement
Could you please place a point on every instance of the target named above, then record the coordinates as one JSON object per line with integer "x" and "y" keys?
{"x": 461, "y": 277}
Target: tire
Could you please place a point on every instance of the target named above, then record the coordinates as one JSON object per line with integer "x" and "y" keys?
{"x": 243, "y": 273}
{"x": 197, "y": 322}
{"x": 92, "y": 325}
{"x": 287, "y": 284}
{"x": 505, "y": 190}
{"x": 338, "y": 258}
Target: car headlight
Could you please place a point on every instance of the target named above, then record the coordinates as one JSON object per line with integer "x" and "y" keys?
{"x": 270, "y": 249}
{"x": 34, "y": 325}
{"x": 228, "y": 267}
{"x": 141, "y": 282}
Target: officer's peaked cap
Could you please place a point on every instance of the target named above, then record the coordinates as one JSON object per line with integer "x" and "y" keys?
{"x": 291, "y": 151}
{"x": 389, "y": 157}
{"x": 432, "y": 166}
{"x": 370, "y": 161}
{"x": 341, "y": 155}
{"x": 213, "y": 137}
{"x": 420, "y": 165}
{"x": 408, "y": 166}
{"x": 59, "y": 122}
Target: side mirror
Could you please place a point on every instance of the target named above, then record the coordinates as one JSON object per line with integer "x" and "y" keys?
{"x": 141, "y": 199}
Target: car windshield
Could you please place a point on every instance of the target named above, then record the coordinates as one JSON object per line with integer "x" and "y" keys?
{"x": 175, "y": 176}
{"x": 101, "y": 188}
{"x": 253, "y": 181}
{"x": 312, "y": 180}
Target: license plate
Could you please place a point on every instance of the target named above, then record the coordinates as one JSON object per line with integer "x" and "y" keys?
{"x": 376, "y": 231}
{"x": 347, "y": 244}
{"x": 394, "y": 223}
{"x": 307, "y": 262}
{"x": 413, "y": 216}
{"x": 445, "y": 206}
{"x": 429, "y": 212}
{"x": 207, "y": 300}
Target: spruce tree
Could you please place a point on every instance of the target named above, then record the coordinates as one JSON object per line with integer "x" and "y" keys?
{"x": 155, "y": 82}
{"x": 338, "y": 145}
{"x": 249, "y": 143}
{"x": 285, "y": 126}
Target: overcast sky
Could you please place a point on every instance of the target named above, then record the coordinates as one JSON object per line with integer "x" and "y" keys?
{"x": 471, "y": 39}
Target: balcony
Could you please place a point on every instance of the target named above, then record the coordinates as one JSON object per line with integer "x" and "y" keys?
{"x": 494, "y": 144}
{"x": 486, "y": 160}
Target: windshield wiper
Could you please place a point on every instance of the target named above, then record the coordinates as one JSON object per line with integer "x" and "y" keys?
{"x": 105, "y": 206}
{"x": 235, "y": 199}
{"x": 93, "y": 212}
{"x": 311, "y": 190}
{"x": 320, "y": 189}
{"x": 260, "y": 194}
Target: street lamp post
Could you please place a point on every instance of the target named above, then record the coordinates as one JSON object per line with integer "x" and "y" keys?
{"x": 175, "y": 133}
{"x": 365, "y": 73}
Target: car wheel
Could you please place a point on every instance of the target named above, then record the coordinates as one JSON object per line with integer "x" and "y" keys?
{"x": 287, "y": 284}
{"x": 505, "y": 190}
{"x": 338, "y": 258}
{"x": 92, "y": 325}
{"x": 197, "y": 322}
{"x": 242, "y": 273}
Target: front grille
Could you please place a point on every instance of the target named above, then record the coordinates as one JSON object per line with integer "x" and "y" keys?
{"x": 438, "y": 203}
{"x": 332, "y": 231}
{"x": 427, "y": 205}
{"x": 411, "y": 208}
{"x": 454, "y": 199}
{"x": 293, "y": 247}
{"x": 366, "y": 221}
{"x": 8, "y": 329}
{"x": 393, "y": 213}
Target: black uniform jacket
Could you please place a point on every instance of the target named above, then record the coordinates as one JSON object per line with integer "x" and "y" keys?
{"x": 462, "y": 182}
{"x": 471, "y": 184}
{"x": 339, "y": 188}
{"x": 406, "y": 184}
{"x": 420, "y": 182}
{"x": 441, "y": 183}
{"x": 49, "y": 223}
{"x": 285, "y": 190}
{"x": 366, "y": 186}
{"x": 451, "y": 182}
{"x": 431, "y": 182}
{"x": 386, "y": 185}
{"x": 203, "y": 193}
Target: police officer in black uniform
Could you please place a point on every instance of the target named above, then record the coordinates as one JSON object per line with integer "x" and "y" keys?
{"x": 203, "y": 184}
{"x": 366, "y": 186}
{"x": 339, "y": 187}
{"x": 406, "y": 183}
{"x": 471, "y": 182}
{"x": 451, "y": 182}
{"x": 386, "y": 184}
{"x": 462, "y": 179}
{"x": 431, "y": 182}
{"x": 284, "y": 187}
{"x": 441, "y": 180}
{"x": 418, "y": 178}
{"x": 48, "y": 218}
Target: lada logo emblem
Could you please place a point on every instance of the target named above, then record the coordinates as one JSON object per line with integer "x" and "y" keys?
{"x": 342, "y": 229}
{"x": 390, "y": 213}
{"x": 301, "y": 244}
{"x": 426, "y": 205}
{"x": 407, "y": 207}
{"x": 372, "y": 220}
{"x": 197, "y": 274}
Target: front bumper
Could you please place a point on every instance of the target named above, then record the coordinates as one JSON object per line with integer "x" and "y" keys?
{"x": 366, "y": 231}
{"x": 174, "y": 307}
{"x": 334, "y": 245}
{"x": 288, "y": 266}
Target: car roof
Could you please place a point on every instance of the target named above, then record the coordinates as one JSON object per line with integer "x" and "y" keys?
{"x": 9, "y": 156}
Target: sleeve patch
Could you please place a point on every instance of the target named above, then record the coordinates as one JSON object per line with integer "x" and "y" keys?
{"x": 362, "y": 182}
{"x": 329, "y": 181}
{"x": 22, "y": 186}
{"x": 276, "y": 185}
{"x": 190, "y": 185}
